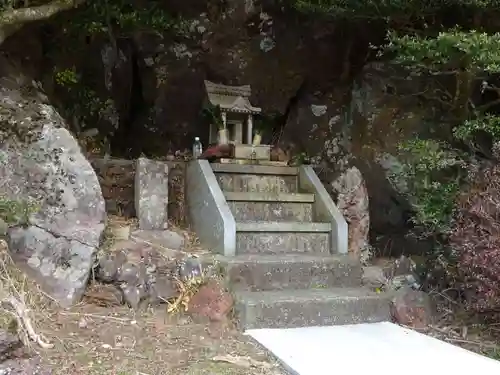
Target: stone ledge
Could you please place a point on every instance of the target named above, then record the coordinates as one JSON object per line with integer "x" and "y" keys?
{"x": 292, "y": 227}
{"x": 290, "y": 271}
{"x": 254, "y": 169}
{"x": 268, "y": 197}
{"x": 315, "y": 307}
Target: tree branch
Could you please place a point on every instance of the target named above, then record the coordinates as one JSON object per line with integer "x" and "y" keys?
{"x": 13, "y": 19}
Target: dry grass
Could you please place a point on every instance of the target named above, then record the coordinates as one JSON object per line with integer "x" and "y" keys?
{"x": 454, "y": 324}
{"x": 19, "y": 301}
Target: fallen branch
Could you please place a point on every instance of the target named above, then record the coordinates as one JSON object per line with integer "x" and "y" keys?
{"x": 13, "y": 19}
{"x": 121, "y": 320}
{"x": 24, "y": 321}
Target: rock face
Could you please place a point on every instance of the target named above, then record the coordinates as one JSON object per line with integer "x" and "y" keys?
{"x": 310, "y": 72}
{"x": 42, "y": 164}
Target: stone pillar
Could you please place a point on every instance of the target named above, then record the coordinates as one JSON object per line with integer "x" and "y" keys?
{"x": 249, "y": 129}
{"x": 238, "y": 132}
{"x": 224, "y": 119}
{"x": 151, "y": 194}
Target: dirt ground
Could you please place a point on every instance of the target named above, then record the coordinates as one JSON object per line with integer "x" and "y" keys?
{"x": 96, "y": 340}
{"x": 93, "y": 339}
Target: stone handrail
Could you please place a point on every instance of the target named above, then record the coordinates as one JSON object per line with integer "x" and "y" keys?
{"x": 209, "y": 214}
{"x": 325, "y": 208}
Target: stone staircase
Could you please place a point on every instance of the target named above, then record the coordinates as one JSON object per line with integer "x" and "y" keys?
{"x": 286, "y": 268}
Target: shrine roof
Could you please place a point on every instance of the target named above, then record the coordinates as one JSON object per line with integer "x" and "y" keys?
{"x": 231, "y": 98}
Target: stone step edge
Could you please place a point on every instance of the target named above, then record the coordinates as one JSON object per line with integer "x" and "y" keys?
{"x": 269, "y": 197}
{"x": 254, "y": 169}
{"x": 284, "y": 258}
{"x": 301, "y": 296}
{"x": 283, "y": 226}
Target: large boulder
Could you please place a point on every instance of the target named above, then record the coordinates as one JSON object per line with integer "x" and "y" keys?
{"x": 42, "y": 164}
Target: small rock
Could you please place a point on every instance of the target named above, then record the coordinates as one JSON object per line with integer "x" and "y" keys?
{"x": 374, "y": 277}
{"x": 408, "y": 280}
{"x": 277, "y": 154}
{"x": 190, "y": 268}
{"x": 412, "y": 308}
{"x": 211, "y": 301}
{"x": 172, "y": 240}
{"x": 402, "y": 266}
{"x": 133, "y": 295}
{"x": 109, "y": 266}
{"x": 399, "y": 272}
{"x": 129, "y": 273}
{"x": 162, "y": 290}
{"x": 82, "y": 323}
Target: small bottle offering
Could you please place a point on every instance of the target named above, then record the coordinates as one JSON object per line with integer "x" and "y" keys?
{"x": 197, "y": 148}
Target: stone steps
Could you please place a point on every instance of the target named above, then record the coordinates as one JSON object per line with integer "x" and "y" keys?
{"x": 269, "y": 197}
{"x": 282, "y": 237}
{"x": 290, "y": 271}
{"x": 285, "y": 271}
{"x": 309, "y": 307}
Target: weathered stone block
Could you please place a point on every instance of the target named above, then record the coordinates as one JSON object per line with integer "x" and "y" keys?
{"x": 151, "y": 194}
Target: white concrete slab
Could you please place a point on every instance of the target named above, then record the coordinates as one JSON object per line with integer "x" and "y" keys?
{"x": 376, "y": 348}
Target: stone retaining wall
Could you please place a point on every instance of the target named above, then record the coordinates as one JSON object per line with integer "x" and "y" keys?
{"x": 116, "y": 177}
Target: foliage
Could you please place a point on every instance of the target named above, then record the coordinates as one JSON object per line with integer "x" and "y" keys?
{"x": 121, "y": 15}
{"x": 87, "y": 106}
{"x": 66, "y": 77}
{"x": 489, "y": 124}
{"x": 15, "y": 212}
{"x": 449, "y": 50}
{"x": 265, "y": 122}
{"x": 390, "y": 9}
{"x": 212, "y": 115}
{"x": 430, "y": 173}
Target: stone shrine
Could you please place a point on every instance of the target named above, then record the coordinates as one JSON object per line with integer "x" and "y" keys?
{"x": 237, "y": 120}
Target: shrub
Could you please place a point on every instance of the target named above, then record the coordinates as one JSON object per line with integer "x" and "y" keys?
{"x": 475, "y": 238}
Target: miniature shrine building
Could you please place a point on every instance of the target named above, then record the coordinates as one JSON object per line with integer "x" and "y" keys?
{"x": 236, "y": 110}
